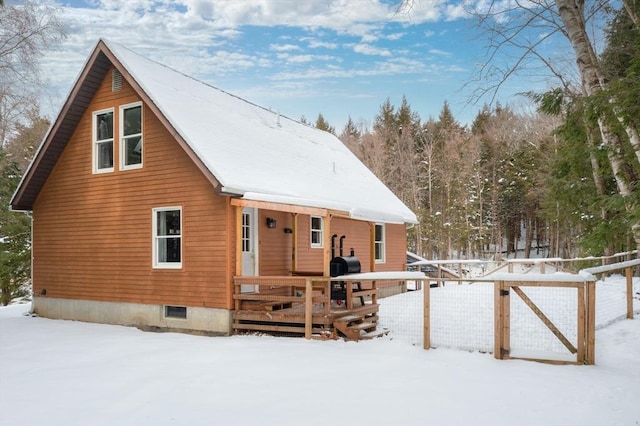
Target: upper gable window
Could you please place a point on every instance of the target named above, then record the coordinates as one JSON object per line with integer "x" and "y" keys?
{"x": 131, "y": 136}
{"x": 103, "y": 141}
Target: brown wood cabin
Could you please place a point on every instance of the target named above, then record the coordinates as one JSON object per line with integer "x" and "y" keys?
{"x": 162, "y": 202}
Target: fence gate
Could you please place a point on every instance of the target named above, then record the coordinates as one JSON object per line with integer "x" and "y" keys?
{"x": 576, "y": 335}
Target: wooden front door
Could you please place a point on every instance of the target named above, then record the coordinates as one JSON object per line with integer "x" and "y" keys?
{"x": 249, "y": 246}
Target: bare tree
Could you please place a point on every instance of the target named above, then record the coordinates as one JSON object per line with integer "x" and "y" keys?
{"x": 27, "y": 30}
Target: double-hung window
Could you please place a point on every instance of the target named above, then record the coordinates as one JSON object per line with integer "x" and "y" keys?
{"x": 103, "y": 141}
{"x": 317, "y": 232}
{"x": 167, "y": 237}
{"x": 131, "y": 136}
{"x": 379, "y": 243}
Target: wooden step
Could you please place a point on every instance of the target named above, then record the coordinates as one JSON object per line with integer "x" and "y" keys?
{"x": 350, "y": 318}
{"x": 374, "y": 334}
{"x": 352, "y": 327}
{"x": 367, "y": 325}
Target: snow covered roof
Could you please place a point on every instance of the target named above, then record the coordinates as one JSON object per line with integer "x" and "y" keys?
{"x": 252, "y": 152}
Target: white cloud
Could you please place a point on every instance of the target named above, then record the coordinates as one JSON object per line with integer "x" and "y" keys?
{"x": 301, "y": 59}
{"x": 453, "y": 12}
{"x": 439, "y": 52}
{"x": 395, "y": 36}
{"x": 367, "y": 49}
{"x": 394, "y": 66}
{"x": 314, "y": 44}
{"x": 369, "y": 38}
{"x": 339, "y": 15}
{"x": 283, "y": 47}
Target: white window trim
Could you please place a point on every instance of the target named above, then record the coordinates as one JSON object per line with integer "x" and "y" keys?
{"x": 122, "y": 139}
{"x": 94, "y": 142}
{"x": 383, "y": 243}
{"x": 154, "y": 228}
{"x": 321, "y": 231}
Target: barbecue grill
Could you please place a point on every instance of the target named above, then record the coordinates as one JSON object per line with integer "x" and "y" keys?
{"x": 342, "y": 265}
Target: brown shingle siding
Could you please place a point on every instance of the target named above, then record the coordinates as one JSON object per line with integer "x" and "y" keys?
{"x": 92, "y": 232}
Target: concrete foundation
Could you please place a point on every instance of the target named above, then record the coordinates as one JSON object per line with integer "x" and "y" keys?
{"x": 212, "y": 321}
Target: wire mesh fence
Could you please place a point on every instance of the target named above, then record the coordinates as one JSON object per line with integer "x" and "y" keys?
{"x": 462, "y": 315}
{"x": 403, "y": 315}
{"x": 611, "y": 299}
{"x": 530, "y": 336}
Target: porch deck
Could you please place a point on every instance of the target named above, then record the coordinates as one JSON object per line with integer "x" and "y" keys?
{"x": 302, "y": 305}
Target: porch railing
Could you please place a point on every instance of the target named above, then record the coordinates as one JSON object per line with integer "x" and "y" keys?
{"x": 285, "y": 289}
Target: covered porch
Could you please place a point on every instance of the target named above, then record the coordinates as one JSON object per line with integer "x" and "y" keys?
{"x": 290, "y": 288}
{"x": 303, "y": 305}
{"x": 298, "y": 305}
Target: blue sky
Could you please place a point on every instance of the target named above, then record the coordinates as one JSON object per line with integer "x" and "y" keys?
{"x": 340, "y": 58}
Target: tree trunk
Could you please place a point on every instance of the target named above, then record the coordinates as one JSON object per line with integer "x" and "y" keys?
{"x": 528, "y": 237}
{"x": 572, "y": 15}
{"x": 630, "y": 11}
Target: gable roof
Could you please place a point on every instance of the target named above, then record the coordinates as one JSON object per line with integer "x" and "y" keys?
{"x": 245, "y": 150}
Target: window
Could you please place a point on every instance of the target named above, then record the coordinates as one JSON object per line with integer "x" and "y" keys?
{"x": 246, "y": 233}
{"x": 175, "y": 312}
{"x": 167, "y": 237}
{"x": 317, "y": 237}
{"x": 103, "y": 141}
{"x": 379, "y": 243}
{"x": 131, "y": 136}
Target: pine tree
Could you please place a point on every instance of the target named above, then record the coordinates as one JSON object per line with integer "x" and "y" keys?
{"x": 15, "y": 236}
{"x": 323, "y": 124}
{"x": 15, "y": 227}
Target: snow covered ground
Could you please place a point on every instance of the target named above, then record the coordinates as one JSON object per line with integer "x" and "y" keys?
{"x": 68, "y": 373}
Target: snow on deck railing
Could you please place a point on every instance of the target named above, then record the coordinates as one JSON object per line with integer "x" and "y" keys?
{"x": 612, "y": 267}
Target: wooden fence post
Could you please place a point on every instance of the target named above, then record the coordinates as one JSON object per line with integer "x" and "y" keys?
{"x": 498, "y": 319}
{"x": 590, "y": 331}
{"x": 582, "y": 323}
{"x": 427, "y": 316}
{"x": 628, "y": 273}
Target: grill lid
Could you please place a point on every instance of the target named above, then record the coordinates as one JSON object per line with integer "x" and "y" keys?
{"x": 344, "y": 265}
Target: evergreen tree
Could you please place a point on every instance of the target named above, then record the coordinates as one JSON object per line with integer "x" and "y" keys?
{"x": 15, "y": 227}
{"x": 15, "y": 237}
{"x": 323, "y": 124}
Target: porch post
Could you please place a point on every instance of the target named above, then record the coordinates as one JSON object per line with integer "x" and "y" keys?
{"x": 372, "y": 246}
{"x": 294, "y": 244}
{"x": 238, "y": 264}
{"x": 326, "y": 258}
{"x": 238, "y": 240}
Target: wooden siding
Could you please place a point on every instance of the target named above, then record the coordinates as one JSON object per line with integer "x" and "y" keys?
{"x": 357, "y": 236}
{"x": 92, "y": 232}
{"x": 275, "y": 248}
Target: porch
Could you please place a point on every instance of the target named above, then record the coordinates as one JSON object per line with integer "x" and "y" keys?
{"x": 304, "y": 305}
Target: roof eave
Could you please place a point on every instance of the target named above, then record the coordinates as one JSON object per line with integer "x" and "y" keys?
{"x": 80, "y": 96}
{"x": 60, "y": 131}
